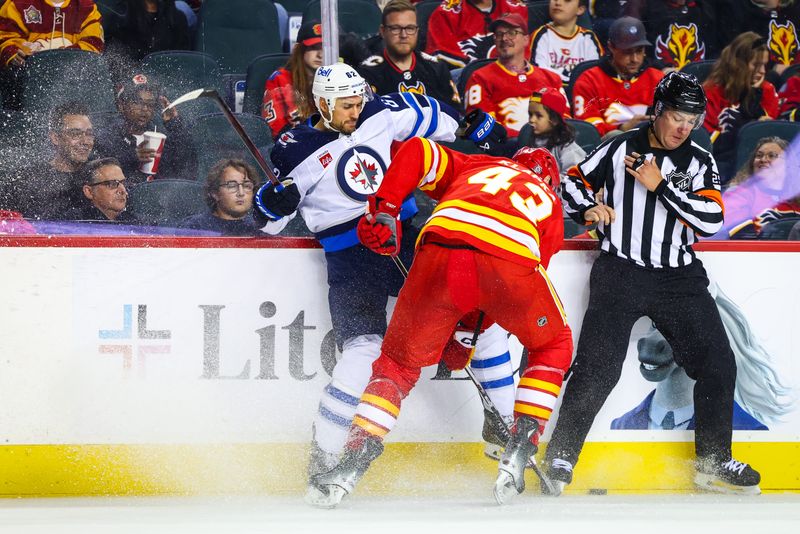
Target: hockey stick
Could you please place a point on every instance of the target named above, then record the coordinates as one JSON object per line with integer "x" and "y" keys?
{"x": 495, "y": 419}
{"x": 237, "y": 126}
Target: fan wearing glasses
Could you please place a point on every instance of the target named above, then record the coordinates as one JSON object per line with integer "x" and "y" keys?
{"x": 104, "y": 189}
{"x": 401, "y": 69}
{"x": 229, "y": 195}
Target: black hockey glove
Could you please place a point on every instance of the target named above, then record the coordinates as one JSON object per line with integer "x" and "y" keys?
{"x": 277, "y": 201}
{"x": 481, "y": 128}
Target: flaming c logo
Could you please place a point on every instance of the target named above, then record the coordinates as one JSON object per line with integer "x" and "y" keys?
{"x": 452, "y": 5}
{"x": 783, "y": 42}
{"x": 680, "y": 46}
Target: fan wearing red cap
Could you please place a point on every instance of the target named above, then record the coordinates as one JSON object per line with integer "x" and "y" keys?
{"x": 547, "y": 110}
{"x": 287, "y": 93}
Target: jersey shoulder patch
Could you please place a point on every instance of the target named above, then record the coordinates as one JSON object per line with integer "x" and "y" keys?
{"x": 372, "y": 61}
{"x": 294, "y": 146}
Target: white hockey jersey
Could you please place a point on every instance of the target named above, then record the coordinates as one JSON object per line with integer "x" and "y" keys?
{"x": 335, "y": 173}
{"x": 560, "y": 53}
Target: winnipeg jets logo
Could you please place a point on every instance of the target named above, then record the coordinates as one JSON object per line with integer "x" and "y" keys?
{"x": 681, "y": 180}
{"x": 359, "y": 172}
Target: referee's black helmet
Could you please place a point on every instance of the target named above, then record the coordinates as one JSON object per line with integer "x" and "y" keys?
{"x": 682, "y": 92}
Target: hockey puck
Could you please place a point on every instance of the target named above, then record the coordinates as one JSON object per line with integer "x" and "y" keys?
{"x": 598, "y": 491}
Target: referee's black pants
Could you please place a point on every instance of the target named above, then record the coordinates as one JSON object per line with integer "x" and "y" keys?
{"x": 678, "y": 302}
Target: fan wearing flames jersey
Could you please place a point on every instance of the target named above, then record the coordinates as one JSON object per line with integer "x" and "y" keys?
{"x": 458, "y": 30}
{"x": 503, "y": 88}
{"x": 485, "y": 248}
{"x": 615, "y": 94}
{"x": 681, "y": 30}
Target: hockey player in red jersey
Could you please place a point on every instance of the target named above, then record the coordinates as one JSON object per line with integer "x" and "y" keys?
{"x": 485, "y": 248}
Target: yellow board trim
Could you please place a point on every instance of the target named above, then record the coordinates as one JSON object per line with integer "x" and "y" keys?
{"x": 540, "y": 384}
{"x": 404, "y": 468}
{"x": 380, "y": 402}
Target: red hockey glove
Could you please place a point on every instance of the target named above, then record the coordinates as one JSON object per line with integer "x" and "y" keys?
{"x": 379, "y": 229}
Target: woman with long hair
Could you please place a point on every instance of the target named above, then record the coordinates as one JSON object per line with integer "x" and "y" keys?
{"x": 737, "y": 93}
{"x": 287, "y": 93}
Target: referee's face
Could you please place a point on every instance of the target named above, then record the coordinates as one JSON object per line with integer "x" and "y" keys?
{"x": 674, "y": 127}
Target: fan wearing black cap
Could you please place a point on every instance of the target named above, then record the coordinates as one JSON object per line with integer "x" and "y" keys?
{"x": 287, "y": 93}
{"x": 615, "y": 94}
{"x": 661, "y": 192}
{"x": 139, "y": 98}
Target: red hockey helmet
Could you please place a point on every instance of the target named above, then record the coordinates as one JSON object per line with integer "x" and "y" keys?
{"x": 541, "y": 162}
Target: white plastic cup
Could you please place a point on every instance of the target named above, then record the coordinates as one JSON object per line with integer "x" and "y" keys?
{"x": 154, "y": 141}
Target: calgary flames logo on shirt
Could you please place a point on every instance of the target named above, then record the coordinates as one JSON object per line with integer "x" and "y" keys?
{"x": 513, "y": 113}
{"x": 782, "y": 42}
{"x": 360, "y": 172}
{"x": 418, "y": 88}
{"x": 680, "y": 46}
{"x": 452, "y": 5}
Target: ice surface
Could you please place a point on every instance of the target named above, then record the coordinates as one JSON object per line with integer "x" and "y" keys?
{"x": 529, "y": 514}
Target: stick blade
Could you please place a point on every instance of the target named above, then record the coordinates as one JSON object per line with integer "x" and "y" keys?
{"x": 191, "y": 95}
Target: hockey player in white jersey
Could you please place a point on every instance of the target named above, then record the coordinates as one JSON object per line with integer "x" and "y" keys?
{"x": 327, "y": 172}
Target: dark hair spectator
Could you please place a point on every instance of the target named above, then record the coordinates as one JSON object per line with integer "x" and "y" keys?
{"x": 138, "y": 100}
{"x": 229, "y": 190}
{"x": 738, "y": 93}
{"x": 103, "y": 186}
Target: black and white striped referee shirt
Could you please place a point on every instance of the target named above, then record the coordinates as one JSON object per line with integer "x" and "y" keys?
{"x": 652, "y": 229}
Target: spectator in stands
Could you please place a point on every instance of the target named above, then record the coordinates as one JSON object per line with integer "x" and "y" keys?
{"x": 138, "y": 98}
{"x": 459, "y": 32}
{"x": 287, "y": 94}
{"x": 778, "y": 21}
{"x": 760, "y": 194}
{"x": 104, "y": 189}
{"x": 615, "y": 94}
{"x": 681, "y": 31}
{"x": 561, "y": 44}
{"x": 148, "y": 26}
{"x": 737, "y": 93}
{"x": 50, "y": 190}
{"x": 402, "y": 69}
{"x": 789, "y": 99}
{"x": 31, "y": 26}
{"x": 604, "y": 13}
{"x": 548, "y": 110}
{"x": 503, "y": 88}
{"x": 229, "y": 195}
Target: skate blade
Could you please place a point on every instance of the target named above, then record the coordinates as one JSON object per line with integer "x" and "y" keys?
{"x": 492, "y": 451}
{"x": 504, "y": 488}
{"x": 555, "y": 489}
{"x": 327, "y": 497}
{"x": 712, "y": 484}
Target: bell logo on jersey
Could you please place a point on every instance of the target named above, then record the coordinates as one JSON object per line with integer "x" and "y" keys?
{"x": 360, "y": 172}
{"x": 783, "y": 42}
{"x": 680, "y": 46}
{"x": 681, "y": 180}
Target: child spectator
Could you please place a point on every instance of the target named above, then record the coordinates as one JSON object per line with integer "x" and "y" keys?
{"x": 547, "y": 109}
{"x": 503, "y": 88}
{"x": 561, "y": 44}
{"x": 681, "y": 30}
{"x": 287, "y": 93}
{"x": 737, "y": 93}
{"x": 760, "y": 194}
{"x": 229, "y": 195}
{"x": 458, "y": 30}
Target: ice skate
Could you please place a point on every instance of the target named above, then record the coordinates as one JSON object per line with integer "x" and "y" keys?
{"x": 729, "y": 476}
{"x": 519, "y": 449}
{"x": 319, "y": 461}
{"x": 495, "y": 438}
{"x": 332, "y": 486}
{"x": 560, "y": 474}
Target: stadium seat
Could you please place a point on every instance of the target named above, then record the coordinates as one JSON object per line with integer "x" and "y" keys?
{"x": 360, "y": 17}
{"x": 236, "y": 31}
{"x": 586, "y": 135}
{"x": 181, "y": 71}
{"x": 166, "y": 202}
{"x": 573, "y": 77}
{"x": 701, "y": 137}
{"x": 424, "y": 11}
{"x": 52, "y": 77}
{"x": 257, "y": 73}
{"x": 294, "y": 6}
{"x": 215, "y": 139}
{"x": 751, "y": 132}
{"x": 699, "y": 69}
{"x": 466, "y": 72}
{"x": 539, "y": 14}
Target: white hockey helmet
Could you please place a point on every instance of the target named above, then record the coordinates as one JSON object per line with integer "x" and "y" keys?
{"x": 338, "y": 81}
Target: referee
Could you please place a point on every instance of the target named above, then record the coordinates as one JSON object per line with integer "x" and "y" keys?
{"x": 652, "y": 215}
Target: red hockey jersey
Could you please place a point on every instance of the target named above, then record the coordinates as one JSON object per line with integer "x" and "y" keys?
{"x": 718, "y": 107}
{"x": 278, "y": 107}
{"x": 601, "y": 97}
{"x": 493, "y": 204}
{"x": 505, "y": 94}
{"x": 458, "y": 32}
